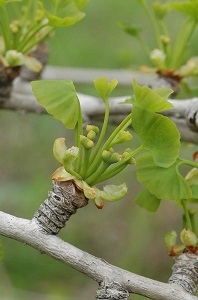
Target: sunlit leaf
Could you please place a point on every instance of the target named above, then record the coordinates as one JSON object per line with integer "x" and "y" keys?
{"x": 147, "y": 200}
{"x": 66, "y": 14}
{"x": 188, "y": 7}
{"x": 104, "y": 87}
{"x": 113, "y": 192}
{"x": 159, "y": 135}
{"x": 153, "y": 100}
{"x": 164, "y": 183}
{"x": 59, "y": 99}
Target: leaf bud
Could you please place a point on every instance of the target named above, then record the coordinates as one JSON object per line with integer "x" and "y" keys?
{"x": 86, "y": 142}
{"x": 158, "y": 58}
{"x": 92, "y": 127}
{"x": 188, "y": 238}
{"x": 59, "y": 149}
{"x": 14, "y": 58}
{"x": 70, "y": 154}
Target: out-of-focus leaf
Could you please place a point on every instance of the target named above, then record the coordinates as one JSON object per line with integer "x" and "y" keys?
{"x": 4, "y": 2}
{"x": 170, "y": 239}
{"x": 66, "y": 14}
{"x": 147, "y": 200}
{"x": 159, "y": 135}
{"x": 130, "y": 29}
{"x": 113, "y": 192}
{"x": 188, "y": 7}
{"x": 59, "y": 99}
{"x": 32, "y": 63}
{"x": 164, "y": 183}
{"x": 153, "y": 100}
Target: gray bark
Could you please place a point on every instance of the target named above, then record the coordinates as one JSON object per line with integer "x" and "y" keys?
{"x": 62, "y": 202}
{"x": 29, "y": 232}
{"x": 185, "y": 272}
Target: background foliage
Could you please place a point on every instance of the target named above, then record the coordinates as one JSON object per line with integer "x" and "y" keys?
{"x": 121, "y": 233}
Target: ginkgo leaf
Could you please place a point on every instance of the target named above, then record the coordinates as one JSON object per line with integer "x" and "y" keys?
{"x": 104, "y": 87}
{"x": 113, "y": 192}
{"x": 67, "y": 14}
{"x": 187, "y": 7}
{"x": 147, "y": 200}
{"x": 59, "y": 99}
{"x": 153, "y": 100}
{"x": 159, "y": 135}
{"x": 164, "y": 183}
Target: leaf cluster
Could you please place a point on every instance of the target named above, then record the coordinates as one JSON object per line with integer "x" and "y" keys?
{"x": 157, "y": 159}
{"x": 168, "y": 54}
{"x": 30, "y": 24}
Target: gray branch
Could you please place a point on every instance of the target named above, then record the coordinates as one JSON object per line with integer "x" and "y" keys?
{"x": 28, "y": 232}
{"x": 184, "y": 113}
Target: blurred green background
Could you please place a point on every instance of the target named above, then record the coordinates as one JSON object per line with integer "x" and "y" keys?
{"x": 121, "y": 233}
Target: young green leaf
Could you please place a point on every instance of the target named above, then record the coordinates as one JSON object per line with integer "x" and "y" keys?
{"x": 153, "y": 100}
{"x": 188, "y": 7}
{"x": 59, "y": 99}
{"x": 66, "y": 14}
{"x": 170, "y": 239}
{"x": 164, "y": 183}
{"x": 113, "y": 192}
{"x": 104, "y": 88}
{"x": 159, "y": 135}
{"x": 147, "y": 200}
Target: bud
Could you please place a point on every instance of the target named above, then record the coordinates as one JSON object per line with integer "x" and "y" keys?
{"x": 122, "y": 137}
{"x": 59, "y": 149}
{"x": 175, "y": 250}
{"x": 91, "y": 135}
{"x": 165, "y": 39}
{"x": 158, "y": 58}
{"x": 14, "y": 58}
{"x": 190, "y": 68}
{"x": 110, "y": 157}
{"x": 160, "y": 9}
{"x": 195, "y": 156}
{"x": 14, "y": 28}
{"x": 92, "y": 127}
{"x": 188, "y": 238}
{"x": 87, "y": 143}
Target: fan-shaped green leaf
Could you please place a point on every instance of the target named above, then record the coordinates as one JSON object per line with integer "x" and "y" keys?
{"x": 66, "y": 14}
{"x": 147, "y": 200}
{"x": 188, "y": 7}
{"x": 153, "y": 100}
{"x": 159, "y": 135}
{"x": 104, "y": 87}
{"x": 59, "y": 99}
{"x": 164, "y": 183}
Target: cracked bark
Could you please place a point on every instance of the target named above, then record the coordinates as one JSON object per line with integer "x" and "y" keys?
{"x": 63, "y": 201}
{"x": 111, "y": 291}
{"x": 185, "y": 272}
